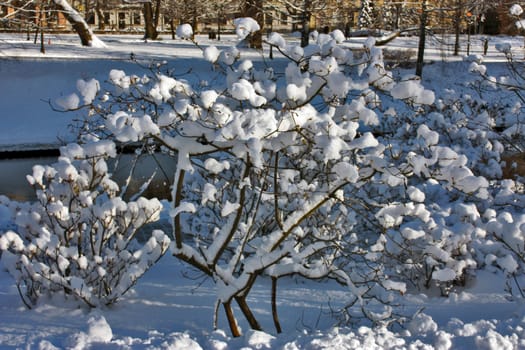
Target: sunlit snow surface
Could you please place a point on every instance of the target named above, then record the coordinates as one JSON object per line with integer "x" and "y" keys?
{"x": 168, "y": 308}
{"x": 172, "y": 306}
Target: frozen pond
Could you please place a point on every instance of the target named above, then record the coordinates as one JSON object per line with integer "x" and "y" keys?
{"x": 13, "y": 174}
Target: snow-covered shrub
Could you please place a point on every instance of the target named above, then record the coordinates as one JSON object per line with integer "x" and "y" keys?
{"x": 427, "y": 198}
{"x": 508, "y": 249}
{"x": 505, "y": 113}
{"x": 78, "y": 238}
{"x": 429, "y": 245}
{"x": 321, "y": 166}
{"x": 448, "y": 163}
{"x": 489, "y": 131}
{"x": 503, "y": 246}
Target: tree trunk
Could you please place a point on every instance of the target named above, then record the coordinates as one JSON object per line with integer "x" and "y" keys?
{"x": 275, "y": 316}
{"x": 194, "y": 24}
{"x": 457, "y": 25}
{"x": 77, "y": 22}
{"x": 399, "y": 8}
{"x": 41, "y": 24}
{"x": 232, "y": 322}
{"x": 100, "y": 15}
{"x": 150, "y": 31}
{"x": 250, "y": 317}
{"x": 35, "y": 38}
{"x": 305, "y": 31}
{"x": 219, "y": 19}
{"x": 422, "y": 38}
{"x": 157, "y": 15}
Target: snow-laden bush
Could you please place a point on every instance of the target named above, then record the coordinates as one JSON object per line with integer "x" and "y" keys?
{"x": 503, "y": 246}
{"x": 489, "y": 131}
{"x": 269, "y": 166}
{"x": 505, "y": 113}
{"x": 78, "y": 238}
{"x": 427, "y": 199}
{"x": 321, "y": 166}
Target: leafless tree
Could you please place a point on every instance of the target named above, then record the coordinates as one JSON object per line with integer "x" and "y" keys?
{"x": 302, "y": 11}
{"x": 98, "y": 8}
{"x": 77, "y": 22}
{"x": 399, "y": 15}
{"x": 36, "y": 13}
{"x": 180, "y": 11}
{"x": 422, "y": 38}
{"x": 219, "y": 10}
{"x": 152, "y": 13}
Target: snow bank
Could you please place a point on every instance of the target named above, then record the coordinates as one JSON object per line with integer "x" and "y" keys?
{"x": 98, "y": 332}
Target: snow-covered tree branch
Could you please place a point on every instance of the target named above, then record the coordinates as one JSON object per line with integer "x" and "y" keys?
{"x": 78, "y": 23}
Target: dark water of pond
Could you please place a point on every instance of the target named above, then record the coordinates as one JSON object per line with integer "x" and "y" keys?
{"x": 13, "y": 172}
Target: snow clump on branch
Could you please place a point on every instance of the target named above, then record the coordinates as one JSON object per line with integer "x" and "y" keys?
{"x": 516, "y": 10}
{"x": 245, "y": 26}
{"x": 185, "y": 31}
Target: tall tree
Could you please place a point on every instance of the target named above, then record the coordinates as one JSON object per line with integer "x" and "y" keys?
{"x": 456, "y": 16}
{"x": 171, "y": 14}
{"x": 396, "y": 14}
{"x": 219, "y": 9}
{"x": 150, "y": 28}
{"x": 183, "y": 11}
{"x": 343, "y": 12}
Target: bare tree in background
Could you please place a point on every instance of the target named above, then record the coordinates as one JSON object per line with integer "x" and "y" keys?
{"x": 97, "y": 8}
{"x": 151, "y": 19}
{"x": 344, "y": 12}
{"x": 398, "y": 15}
{"x": 422, "y": 38}
{"x": 220, "y": 8}
{"x": 468, "y": 13}
{"x": 171, "y": 14}
{"x": 32, "y": 12}
{"x": 151, "y": 11}
{"x": 181, "y": 11}
{"x": 303, "y": 10}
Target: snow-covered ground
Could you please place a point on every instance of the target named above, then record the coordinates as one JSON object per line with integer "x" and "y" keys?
{"x": 171, "y": 307}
